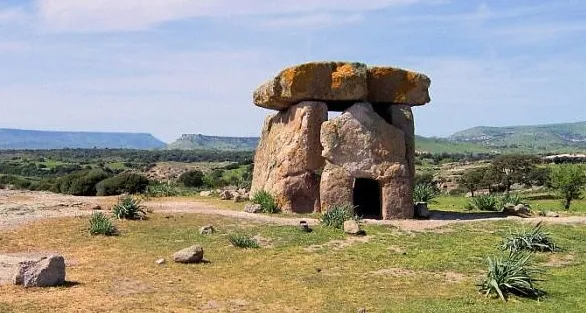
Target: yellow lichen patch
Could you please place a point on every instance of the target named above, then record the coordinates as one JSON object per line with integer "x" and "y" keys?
{"x": 341, "y": 73}
{"x": 388, "y": 84}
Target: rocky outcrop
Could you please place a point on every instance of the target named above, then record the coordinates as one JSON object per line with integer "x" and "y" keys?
{"x": 288, "y": 155}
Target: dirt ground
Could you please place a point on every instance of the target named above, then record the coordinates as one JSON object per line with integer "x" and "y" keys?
{"x": 20, "y": 207}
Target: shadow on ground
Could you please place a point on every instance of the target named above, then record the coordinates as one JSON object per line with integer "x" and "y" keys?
{"x": 465, "y": 216}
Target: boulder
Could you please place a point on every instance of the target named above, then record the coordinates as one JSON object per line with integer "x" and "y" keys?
{"x": 207, "y": 230}
{"x": 335, "y": 187}
{"x": 288, "y": 155}
{"x": 421, "y": 210}
{"x": 193, "y": 254}
{"x": 352, "y": 227}
{"x": 397, "y": 86}
{"x": 39, "y": 271}
{"x": 252, "y": 208}
{"x": 318, "y": 81}
{"x": 520, "y": 210}
{"x": 402, "y": 118}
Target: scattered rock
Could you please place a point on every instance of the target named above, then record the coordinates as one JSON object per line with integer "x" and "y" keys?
{"x": 193, "y": 254}
{"x": 551, "y": 214}
{"x": 40, "y": 271}
{"x": 160, "y": 261}
{"x": 353, "y": 228}
{"x": 207, "y": 230}
{"x": 304, "y": 227}
{"x": 95, "y": 207}
{"x": 421, "y": 210}
{"x": 205, "y": 193}
{"x": 226, "y": 195}
{"x": 239, "y": 198}
{"x": 252, "y": 208}
{"x": 520, "y": 210}
{"x": 361, "y": 310}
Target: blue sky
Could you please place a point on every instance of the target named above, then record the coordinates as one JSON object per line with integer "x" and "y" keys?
{"x": 169, "y": 67}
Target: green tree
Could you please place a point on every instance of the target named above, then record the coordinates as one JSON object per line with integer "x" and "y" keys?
{"x": 512, "y": 168}
{"x": 568, "y": 180}
{"x": 472, "y": 179}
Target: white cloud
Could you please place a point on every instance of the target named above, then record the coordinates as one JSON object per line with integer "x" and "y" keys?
{"x": 311, "y": 21}
{"x": 130, "y": 15}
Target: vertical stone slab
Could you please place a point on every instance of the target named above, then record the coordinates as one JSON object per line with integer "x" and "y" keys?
{"x": 288, "y": 154}
{"x": 336, "y": 186}
{"x": 402, "y": 117}
{"x": 397, "y": 194}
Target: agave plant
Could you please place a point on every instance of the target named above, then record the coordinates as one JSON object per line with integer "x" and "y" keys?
{"x": 243, "y": 241}
{"x": 531, "y": 240}
{"x": 486, "y": 202}
{"x": 129, "y": 208}
{"x": 266, "y": 201}
{"x": 511, "y": 274}
{"x": 510, "y": 198}
{"x": 336, "y": 215}
{"x": 424, "y": 193}
{"x": 100, "y": 224}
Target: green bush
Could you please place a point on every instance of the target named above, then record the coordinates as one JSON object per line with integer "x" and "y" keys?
{"x": 122, "y": 183}
{"x": 511, "y": 274}
{"x": 81, "y": 183}
{"x": 424, "y": 193}
{"x": 191, "y": 179}
{"x": 266, "y": 201}
{"x": 243, "y": 241}
{"x": 129, "y": 208}
{"x": 531, "y": 240}
{"x": 162, "y": 190}
{"x": 100, "y": 224}
{"x": 486, "y": 202}
{"x": 15, "y": 181}
{"x": 336, "y": 215}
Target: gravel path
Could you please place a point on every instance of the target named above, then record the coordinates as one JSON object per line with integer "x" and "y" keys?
{"x": 20, "y": 207}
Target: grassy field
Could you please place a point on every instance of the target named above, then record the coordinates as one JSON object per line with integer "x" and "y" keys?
{"x": 323, "y": 271}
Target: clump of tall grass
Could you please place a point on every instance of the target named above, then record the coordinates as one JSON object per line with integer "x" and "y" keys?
{"x": 243, "y": 241}
{"x": 534, "y": 240}
{"x": 100, "y": 224}
{"x": 266, "y": 201}
{"x": 336, "y": 215}
{"x": 129, "y": 208}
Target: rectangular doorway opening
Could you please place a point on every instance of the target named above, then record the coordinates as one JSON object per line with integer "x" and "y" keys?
{"x": 367, "y": 198}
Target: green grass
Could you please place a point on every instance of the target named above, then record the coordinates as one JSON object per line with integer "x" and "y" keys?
{"x": 321, "y": 271}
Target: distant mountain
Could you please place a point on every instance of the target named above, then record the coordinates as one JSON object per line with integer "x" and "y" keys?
{"x": 11, "y": 139}
{"x": 202, "y": 142}
{"x": 568, "y": 137}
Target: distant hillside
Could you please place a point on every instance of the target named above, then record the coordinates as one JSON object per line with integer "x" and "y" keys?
{"x": 36, "y": 139}
{"x": 568, "y": 137}
{"x": 442, "y": 145}
{"x": 202, "y": 142}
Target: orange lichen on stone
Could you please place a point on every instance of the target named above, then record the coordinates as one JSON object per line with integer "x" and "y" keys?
{"x": 340, "y": 74}
{"x": 393, "y": 85}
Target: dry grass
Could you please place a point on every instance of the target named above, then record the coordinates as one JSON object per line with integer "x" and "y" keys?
{"x": 118, "y": 274}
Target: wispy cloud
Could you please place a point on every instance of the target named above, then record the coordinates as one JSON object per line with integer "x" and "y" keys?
{"x": 132, "y": 15}
{"x": 311, "y": 21}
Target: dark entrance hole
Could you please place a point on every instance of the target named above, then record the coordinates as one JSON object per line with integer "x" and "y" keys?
{"x": 367, "y": 198}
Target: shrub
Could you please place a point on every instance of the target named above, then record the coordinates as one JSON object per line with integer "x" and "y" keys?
{"x": 81, "y": 183}
{"x": 486, "y": 202}
{"x": 336, "y": 215}
{"x": 424, "y": 193}
{"x": 161, "y": 190}
{"x": 568, "y": 180}
{"x": 191, "y": 179}
{"x": 122, "y": 183}
{"x": 129, "y": 208}
{"x": 512, "y": 198}
{"x": 531, "y": 240}
{"x": 242, "y": 241}
{"x": 511, "y": 274}
{"x": 100, "y": 224}
{"x": 266, "y": 201}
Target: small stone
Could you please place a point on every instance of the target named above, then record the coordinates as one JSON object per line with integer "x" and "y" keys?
{"x": 96, "y": 207}
{"x": 551, "y": 214}
{"x": 520, "y": 210}
{"x": 239, "y": 198}
{"x": 304, "y": 227}
{"x": 252, "y": 208}
{"x": 205, "y": 193}
{"x": 352, "y": 227}
{"x": 361, "y": 310}
{"x": 207, "y": 230}
{"x": 160, "y": 261}
{"x": 193, "y": 254}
